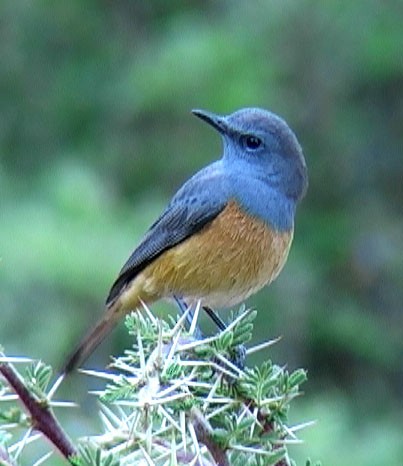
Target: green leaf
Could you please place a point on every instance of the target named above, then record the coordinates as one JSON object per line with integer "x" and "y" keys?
{"x": 120, "y": 389}
{"x": 37, "y": 376}
{"x": 91, "y": 455}
{"x": 297, "y": 378}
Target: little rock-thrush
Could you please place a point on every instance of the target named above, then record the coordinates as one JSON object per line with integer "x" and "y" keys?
{"x": 225, "y": 234}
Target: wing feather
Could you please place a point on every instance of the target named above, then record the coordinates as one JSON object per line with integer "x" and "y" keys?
{"x": 197, "y": 203}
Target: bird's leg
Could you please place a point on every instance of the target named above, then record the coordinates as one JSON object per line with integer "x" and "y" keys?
{"x": 215, "y": 318}
{"x": 239, "y": 355}
{"x": 183, "y": 307}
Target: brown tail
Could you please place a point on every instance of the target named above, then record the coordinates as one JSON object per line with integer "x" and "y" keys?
{"x": 93, "y": 338}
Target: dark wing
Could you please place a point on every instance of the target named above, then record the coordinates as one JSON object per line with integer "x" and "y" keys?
{"x": 199, "y": 201}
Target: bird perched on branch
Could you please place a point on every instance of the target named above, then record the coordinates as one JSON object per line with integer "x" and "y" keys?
{"x": 225, "y": 234}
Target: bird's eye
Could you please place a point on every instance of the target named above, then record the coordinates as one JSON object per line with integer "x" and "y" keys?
{"x": 252, "y": 142}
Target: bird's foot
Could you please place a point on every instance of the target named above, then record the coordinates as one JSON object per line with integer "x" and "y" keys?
{"x": 238, "y": 356}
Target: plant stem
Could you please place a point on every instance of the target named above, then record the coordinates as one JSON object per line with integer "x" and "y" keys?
{"x": 42, "y": 418}
{"x": 203, "y": 434}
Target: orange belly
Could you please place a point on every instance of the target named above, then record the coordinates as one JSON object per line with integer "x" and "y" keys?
{"x": 227, "y": 261}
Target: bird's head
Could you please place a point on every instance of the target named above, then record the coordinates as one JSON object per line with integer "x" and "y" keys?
{"x": 259, "y": 140}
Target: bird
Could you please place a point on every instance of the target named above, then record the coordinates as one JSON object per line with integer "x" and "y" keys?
{"x": 226, "y": 232}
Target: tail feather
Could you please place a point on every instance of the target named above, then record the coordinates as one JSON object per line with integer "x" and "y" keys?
{"x": 93, "y": 339}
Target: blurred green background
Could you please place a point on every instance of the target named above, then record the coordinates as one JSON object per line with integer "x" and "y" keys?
{"x": 96, "y": 135}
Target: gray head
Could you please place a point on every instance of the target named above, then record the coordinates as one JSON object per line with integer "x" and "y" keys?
{"x": 265, "y": 142}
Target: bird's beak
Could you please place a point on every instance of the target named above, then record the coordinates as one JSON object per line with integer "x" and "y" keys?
{"x": 216, "y": 121}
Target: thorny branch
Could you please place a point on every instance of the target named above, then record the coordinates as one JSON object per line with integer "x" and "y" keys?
{"x": 42, "y": 418}
{"x": 203, "y": 433}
